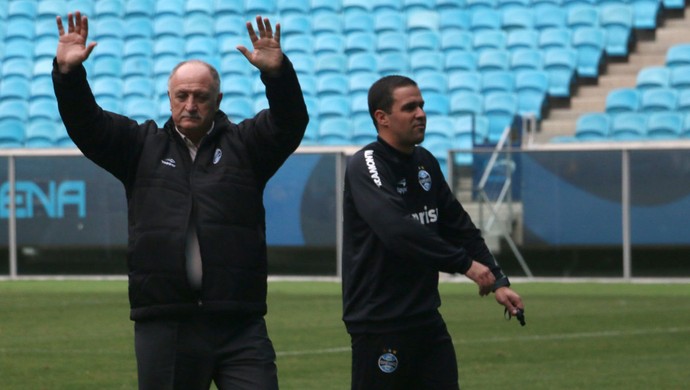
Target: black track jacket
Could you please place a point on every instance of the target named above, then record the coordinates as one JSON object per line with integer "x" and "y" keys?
{"x": 224, "y": 186}
{"x": 402, "y": 225}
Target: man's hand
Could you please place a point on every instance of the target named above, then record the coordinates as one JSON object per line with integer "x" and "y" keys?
{"x": 510, "y": 299}
{"x": 267, "y": 55}
{"x": 481, "y": 275}
{"x": 72, "y": 50}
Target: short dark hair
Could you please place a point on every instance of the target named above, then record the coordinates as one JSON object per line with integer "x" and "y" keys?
{"x": 381, "y": 94}
{"x": 214, "y": 73}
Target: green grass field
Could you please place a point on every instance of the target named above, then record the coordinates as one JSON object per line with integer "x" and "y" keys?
{"x": 77, "y": 335}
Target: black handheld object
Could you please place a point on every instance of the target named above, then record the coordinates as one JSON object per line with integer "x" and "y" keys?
{"x": 520, "y": 315}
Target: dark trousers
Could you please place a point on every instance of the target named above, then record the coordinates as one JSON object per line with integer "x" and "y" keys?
{"x": 417, "y": 359}
{"x": 190, "y": 353}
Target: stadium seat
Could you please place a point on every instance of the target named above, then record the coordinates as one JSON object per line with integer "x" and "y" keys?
{"x": 40, "y": 133}
{"x": 436, "y": 103}
{"x": 45, "y": 108}
{"x": 645, "y": 13}
{"x": 417, "y": 5}
{"x": 200, "y": 46}
{"x": 526, "y": 59}
{"x": 425, "y": 20}
{"x": 504, "y": 5}
{"x": 237, "y": 64}
{"x": 617, "y": 21}
{"x": 500, "y": 108}
{"x": 318, "y": 7}
{"x": 359, "y": 107}
{"x": 665, "y": 125}
{"x": 389, "y": 21}
{"x": 361, "y": 62}
{"x": 326, "y": 22}
{"x": 391, "y": 42}
{"x": 686, "y": 127}
{"x": 298, "y": 43}
{"x": 259, "y": 7}
{"x": 386, "y": 5}
{"x": 426, "y": 60}
{"x": 22, "y": 9}
{"x": 138, "y": 28}
{"x": 139, "y": 47}
{"x": 108, "y": 27}
{"x": 328, "y": 42}
{"x": 621, "y": 100}
{"x": 560, "y": 66}
{"x": 549, "y": 16}
{"x": 555, "y": 38}
{"x": 679, "y": 77}
{"x": 48, "y": 10}
{"x": 19, "y": 48}
{"x": 332, "y": 84}
{"x": 334, "y": 106}
{"x": 237, "y": 86}
{"x": 15, "y": 109}
{"x": 481, "y": 5}
{"x": 86, "y": 7}
{"x": 653, "y": 77}
{"x": 531, "y": 88}
{"x": 678, "y": 55}
{"x": 493, "y": 59}
{"x": 168, "y": 25}
{"x": 456, "y": 40}
{"x": 177, "y": 7}
{"x": 392, "y": 63}
{"x": 464, "y": 103}
{"x": 330, "y": 63}
{"x": 684, "y": 100}
{"x": 144, "y": 8}
{"x": 198, "y": 26}
{"x": 456, "y": 19}
{"x": 237, "y": 109}
{"x": 590, "y": 43}
{"x": 464, "y": 80}
{"x": 439, "y": 126}
{"x": 42, "y": 88}
{"x": 12, "y": 133}
{"x": 334, "y": 131}
{"x": 363, "y": 131}
{"x": 360, "y": 42}
{"x": 658, "y": 99}
{"x": 359, "y": 83}
{"x": 139, "y": 86}
{"x": 592, "y": 127}
{"x": 522, "y": 39}
{"x": 20, "y": 67}
{"x": 293, "y": 7}
{"x": 295, "y": 24}
{"x": 432, "y": 81}
{"x": 488, "y": 39}
{"x": 137, "y": 66}
{"x": 15, "y": 88}
{"x": 582, "y": 16}
{"x": 358, "y": 20}
{"x": 629, "y": 126}
{"x": 460, "y": 60}
{"x": 485, "y": 19}
{"x": 303, "y": 64}
{"x": 108, "y": 86}
{"x": 517, "y": 17}
{"x": 497, "y": 81}
{"x": 423, "y": 40}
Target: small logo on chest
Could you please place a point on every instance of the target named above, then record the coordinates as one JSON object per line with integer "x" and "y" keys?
{"x": 169, "y": 162}
{"x": 217, "y": 155}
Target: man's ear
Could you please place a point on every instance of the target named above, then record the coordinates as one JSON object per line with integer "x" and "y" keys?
{"x": 381, "y": 118}
{"x": 220, "y": 97}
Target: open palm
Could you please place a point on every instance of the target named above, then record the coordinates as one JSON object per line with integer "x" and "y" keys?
{"x": 72, "y": 49}
{"x": 267, "y": 55}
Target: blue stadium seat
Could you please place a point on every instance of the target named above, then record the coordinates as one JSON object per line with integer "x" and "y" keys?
{"x": 236, "y": 86}
{"x": 589, "y": 43}
{"x": 416, "y": 5}
{"x": 362, "y": 62}
{"x": 168, "y": 25}
{"x": 237, "y": 64}
{"x": 298, "y": 43}
{"x": 436, "y": 104}
{"x": 522, "y": 39}
{"x": 464, "y": 80}
{"x": 488, "y": 39}
{"x": 325, "y": 6}
{"x": 137, "y": 66}
{"x": 504, "y": 5}
{"x": 43, "y": 68}
{"x": 108, "y": 87}
{"x": 295, "y": 24}
{"x": 259, "y": 7}
{"x": 526, "y": 59}
{"x": 335, "y": 131}
{"x": 326, "y": 22}
{"x": 44, "y": 29}
{"x": 497, "y": 81}
{"x": 20, "y": 67}
{"x": 359, "y": 107}
{"x": 517, "y": 18}
{"x": 531, "y": 88}
{"x": 307, "y": 82}
{"x": 466, "y": 103}
{"x": 363, "y": 131}
{"x": 15, "y": 109}
{"x": 62, "y": 139}
{"x": 48, "y": 10}
{"x": 386, "y": 5}
{"x": 423, "y": 40}
{"x": 481, "y": 5}
{"x": 356, "y": 5}
{"x": 457, "y": 19}
{"x": 658, "y": 99}
{"x": 555, "y": 38}
{"x": 86, "y": 7}
{"x": 107, "y": 66}
{"x": 109, "y": 27}
{"x": 42, "y": 88}
{"x": 11, "y": 133}
{"x": 582, "y": 16}
{"x": 645, "y": 13}
{"x": 358, "y": 20}
{"x": 686, "y": 127}
{"x": 389, "y": 21}
{"x": 422, "y": 21}
{"x": 19, "y": 48}
{"x": 228, "y": 45}
{"x": 391, "y": 42}
{"x": 392, "y": 63}
{"x": 621, "y": 100}
{"x": 15, "y": 88}
{"x": 19, "y": 28}
{"x": 678, "y": 55}
{"x": 144, "y": 8}
{"x": 139, "y": 47}
{"x": 432, "y": 81}
{"x": 665, "y": 125}
{"x": 460, "y": 60}
{"x": 138, "y": 28}
{"x": 45, "y": 108}
{"x": 334, "y": 106}
{"x": 426, "y": 60}
{"x": 485, "y": 19}
{"x": 237, "y": 109}
{"x": 330, "y": 63}
{"x": 198, "y": 26}
{"x": 303, "y": 64}
{"x": 456, "y": 40}
{"x": 449, "y": 5}
{"x": 629, "y": 126}
{"x": 593, "y": 127}
{"x": 332, "y": 84}
{"x": 177, "y": 7}
{"x": 617, "y": 20}
{"x": 294, "y": 7}
{"x": 560, "y": 64}
{"x": 360, "y": 42}
{"x": 653, "y": 77}
{"x": 138, "y": 86}
{"x": 359, "y": 83}
{"x": 113, "y": 8}
{"x": 679, "y": 77}
{"x": 684, "y": 100}
{"x": 109, "y": 47}
{"x": 40, "y": 133}
{"x": 22, "y": 9}
{"x": 439, "y": 126}
{"x": 493, "y": 59}
{"x": 200, "y": 46}
{"x": 500, "y": 108}
{"x": 549, "y": 16}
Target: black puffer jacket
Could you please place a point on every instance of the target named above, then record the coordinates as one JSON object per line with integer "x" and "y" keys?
{"x": 224, "y": 186}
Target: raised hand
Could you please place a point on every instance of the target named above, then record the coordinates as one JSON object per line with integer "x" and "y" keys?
{"x": 267, "y": 55}
{"x": 72, "y": 49}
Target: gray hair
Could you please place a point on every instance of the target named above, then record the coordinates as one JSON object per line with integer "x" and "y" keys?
{"x": 211, "y": 69}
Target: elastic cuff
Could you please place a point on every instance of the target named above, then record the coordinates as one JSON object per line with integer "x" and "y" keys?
{"x": 502, "y": 282}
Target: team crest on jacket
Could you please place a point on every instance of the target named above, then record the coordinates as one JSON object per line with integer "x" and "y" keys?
{"x": 388, "y": 362}
{"x": 401, "y": 186}
{"x": 217, "y": 155}
{"x": 424, "y": 179}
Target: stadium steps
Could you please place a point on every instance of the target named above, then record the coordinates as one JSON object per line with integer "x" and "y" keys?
{"x": 591, "y": 97}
